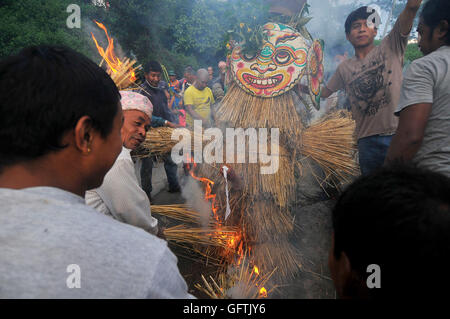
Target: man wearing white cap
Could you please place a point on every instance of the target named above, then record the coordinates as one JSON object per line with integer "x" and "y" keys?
{"x": 121, "y": 195}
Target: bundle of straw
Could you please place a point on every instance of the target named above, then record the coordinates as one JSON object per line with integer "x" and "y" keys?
{"x": 159, "y": 141}
{"x": 202, "y": 236}
{"x": 124, "y": 76}
{"x": 177, "y": 212}
{"x": 331, "y": 144}
{"x": 242, "y": 281}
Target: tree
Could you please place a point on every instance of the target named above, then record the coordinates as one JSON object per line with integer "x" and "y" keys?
{"x": 31, "y": 22}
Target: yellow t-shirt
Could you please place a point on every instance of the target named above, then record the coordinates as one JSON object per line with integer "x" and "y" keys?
{"x": 201, "y": 102}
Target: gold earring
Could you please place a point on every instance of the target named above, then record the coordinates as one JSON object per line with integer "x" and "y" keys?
{"x": 88, "y": 150}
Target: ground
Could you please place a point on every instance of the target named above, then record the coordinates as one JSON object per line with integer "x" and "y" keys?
{"x": 312, "y": 238}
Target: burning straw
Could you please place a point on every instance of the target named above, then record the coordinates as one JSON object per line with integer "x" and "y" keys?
{"x": 216, "y": 237}
{"x": 121, "y": 72}
{"x": 243, "y": 281}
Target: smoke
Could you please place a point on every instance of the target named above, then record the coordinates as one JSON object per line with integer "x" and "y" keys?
{"x": 193, "y": 194}
{"x": 328, "y": 24}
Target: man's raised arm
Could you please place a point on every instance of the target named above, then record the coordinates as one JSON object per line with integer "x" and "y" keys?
{"x": 407, "y": 16}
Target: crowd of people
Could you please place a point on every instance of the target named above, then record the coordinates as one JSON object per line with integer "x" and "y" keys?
{"x": 71, "y": 193}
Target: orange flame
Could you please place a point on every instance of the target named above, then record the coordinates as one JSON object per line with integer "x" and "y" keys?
{"x": 263, "y": 292}
{"x": 111, "y": 59}
{"x": 109, "y": 56}
{"x": 208, "y": 188}
{"x": 256, "y": 270}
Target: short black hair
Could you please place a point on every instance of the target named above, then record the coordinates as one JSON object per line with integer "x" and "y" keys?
{"x": 362, "y": 13}
{"x": 399, "y": 219}
{"x": 153, "y": 66}
{"x": 44, "y": 91}
{"x": 434, "y": 11}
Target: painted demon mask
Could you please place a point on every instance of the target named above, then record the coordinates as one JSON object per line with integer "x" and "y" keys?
{"x": 276, "y": 67}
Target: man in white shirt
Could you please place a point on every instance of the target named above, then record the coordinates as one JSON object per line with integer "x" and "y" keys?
{"x": 121, "y": 195}
{"x": 423, "y": 135}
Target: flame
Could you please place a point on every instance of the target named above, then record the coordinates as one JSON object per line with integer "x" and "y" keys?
{"x": 263, "y": 292}
{"x": 208, "y": 188}
{"x": 256, "y": 270}
{"x": 111, "y": 59}
{"x": 114, "y": 63}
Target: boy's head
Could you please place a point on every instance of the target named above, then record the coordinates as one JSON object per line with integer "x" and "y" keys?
{"x": 361, "y": 27}
{"x": 434, "y": 25}
{"x": 153, "y": 71}
{"x": 189, "y": 74}
{"x": 56, "y": 103}
{"x": 399, "y": 219}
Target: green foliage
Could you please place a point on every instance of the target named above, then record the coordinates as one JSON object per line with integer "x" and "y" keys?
{"x": 31, "y": 22}
{"x": 412, "y": 52}
{"x": 177, "y": 33}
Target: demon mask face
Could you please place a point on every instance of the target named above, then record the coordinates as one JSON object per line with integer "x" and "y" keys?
{"x": 277, "y": 67}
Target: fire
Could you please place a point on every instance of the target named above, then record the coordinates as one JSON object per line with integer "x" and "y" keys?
{"x": 208, "y": 188}
{"x": 256, "y": 270}
{"x": 263, "y": 293}
{"x": 111, "y": 59}
{"x": 123, "y": 70}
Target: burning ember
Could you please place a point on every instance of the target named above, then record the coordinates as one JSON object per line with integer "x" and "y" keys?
{"x": 263, "y": 293}
{"x": 122, "y": 73}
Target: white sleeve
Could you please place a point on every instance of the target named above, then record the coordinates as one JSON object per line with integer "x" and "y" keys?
{"x": 125, "y": 199}
{"x": 418, "y": 85}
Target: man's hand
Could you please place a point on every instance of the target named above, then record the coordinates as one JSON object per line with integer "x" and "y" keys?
{"x": 172, "y": 125}
{"x": 160, "y": 233}
{"x": 324, "y": 94}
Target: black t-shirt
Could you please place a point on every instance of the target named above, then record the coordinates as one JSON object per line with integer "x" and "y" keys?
{"x": 159, "y": 101}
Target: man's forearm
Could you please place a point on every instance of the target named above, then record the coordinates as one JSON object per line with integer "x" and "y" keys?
{"x": 407, "y": 16}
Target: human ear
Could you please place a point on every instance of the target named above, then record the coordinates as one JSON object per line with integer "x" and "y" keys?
{"x": 442, "y": 30}
{"x": 84, "y": 134}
